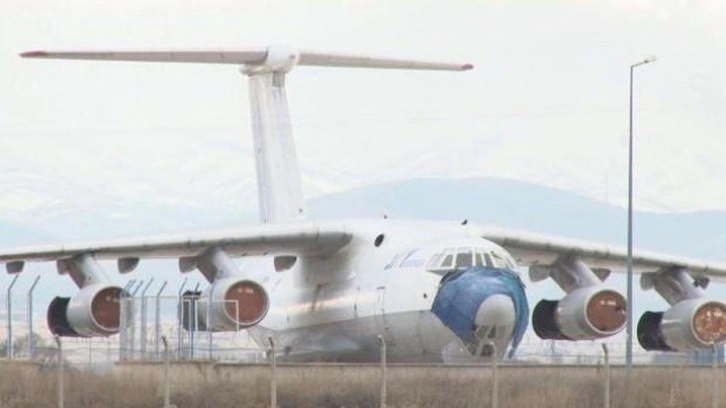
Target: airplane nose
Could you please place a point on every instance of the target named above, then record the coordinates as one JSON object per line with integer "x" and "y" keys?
{"x": 494, "y": 323}
{"x": 497, "y": 310}
{"x": 482, "y": 306}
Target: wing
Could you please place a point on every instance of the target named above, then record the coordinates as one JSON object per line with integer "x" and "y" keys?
{"x": 283, "y": 239}
{"x": 535, "y": 249}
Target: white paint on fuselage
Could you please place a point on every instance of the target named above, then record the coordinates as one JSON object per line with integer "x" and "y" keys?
{"x": 333, "y": 308}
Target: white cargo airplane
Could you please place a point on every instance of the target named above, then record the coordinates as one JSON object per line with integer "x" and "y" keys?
{"x": 325, "y": 290}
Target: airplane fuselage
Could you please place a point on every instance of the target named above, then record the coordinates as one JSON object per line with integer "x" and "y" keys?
{"x": 384, "y": 282}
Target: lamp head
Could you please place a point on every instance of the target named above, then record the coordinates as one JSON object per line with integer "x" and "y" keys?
{"x": 643, "y": 62}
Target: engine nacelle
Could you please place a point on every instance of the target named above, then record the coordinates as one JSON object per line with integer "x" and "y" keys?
{"x": 584, "y": 314}
{"x": 230, "y": 304}
{"x": 94, "y": 311}
{"x": 693, "y": 324}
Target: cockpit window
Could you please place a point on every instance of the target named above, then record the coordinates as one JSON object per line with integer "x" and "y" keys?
{"x": 501, "y": 261}
{"x": 478, "y": 259}
{"x": 405, "y": 257}
{"x": 463, "y": 258}
{"x": 394, "y": 262}
{"x": 488, "y": 258}
{"x": 448, "y": 262}
{"x": 412, "y": 260}
{"x": 434, "y": 261}
{"x": 452, "y": 258}
{"x": 408, "y": 259}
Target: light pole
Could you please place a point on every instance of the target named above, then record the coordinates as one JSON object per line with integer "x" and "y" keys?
{"x": 629, "y": 344}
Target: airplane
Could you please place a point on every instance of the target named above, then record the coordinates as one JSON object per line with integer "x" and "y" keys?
{"x": 433, "y": 291}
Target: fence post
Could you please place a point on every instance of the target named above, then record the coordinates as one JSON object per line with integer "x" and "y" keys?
{"x": 60, "y": 371}
{"x": 273, "y": 374}
{"x": 167, "y": 384}
{"x": 143, "y": 319}
{"x": 606, "y": 356}
{"x": 31, "y": 334}
{"x": 123, "y": 319}
{"x": 138, "y": 286}
{"x": 714, "y": 347}
{"x": 9, "y": 340}
{"x": 382, "y": 343}
{"x": 495, "y": 376}
{"x": 127, "y": 287}
{"x": 194, "y": 323}
{"x": 180, "y": 320}
{"x": 132, "y": 302}
{"x": 157, "y": 323}
{"x": 209, "y": 327}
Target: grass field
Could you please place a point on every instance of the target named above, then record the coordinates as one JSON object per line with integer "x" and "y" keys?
{"x": 210, "y": 385}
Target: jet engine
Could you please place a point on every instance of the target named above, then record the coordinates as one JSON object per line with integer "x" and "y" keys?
{"x": 586, "y": 313}
{"x": 688, "y": 325}
{"x": 94, "y": 311}
{"x": 230, "y": 304}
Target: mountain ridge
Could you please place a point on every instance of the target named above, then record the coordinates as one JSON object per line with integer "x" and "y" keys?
{"x": 491, "y": 201}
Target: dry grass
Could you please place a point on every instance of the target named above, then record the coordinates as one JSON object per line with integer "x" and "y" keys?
{"x": 204, "y": 385}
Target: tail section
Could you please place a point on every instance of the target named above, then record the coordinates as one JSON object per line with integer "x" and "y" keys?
{"x": 279, "y": 188}
{"x": 278, "y": 176}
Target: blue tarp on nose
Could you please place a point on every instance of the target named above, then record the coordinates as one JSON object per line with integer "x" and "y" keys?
{"x": 461, "y": 294}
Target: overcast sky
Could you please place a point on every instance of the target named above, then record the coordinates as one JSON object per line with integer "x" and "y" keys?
{"x": 546, "y": 103}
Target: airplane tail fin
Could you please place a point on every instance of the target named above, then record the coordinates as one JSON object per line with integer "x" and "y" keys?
{"x": 278, "y": 177}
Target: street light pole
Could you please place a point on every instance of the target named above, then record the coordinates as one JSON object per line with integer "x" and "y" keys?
{"x": 629, "y": 344}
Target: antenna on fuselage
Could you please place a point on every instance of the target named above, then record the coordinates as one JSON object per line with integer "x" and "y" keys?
{"x": 278, "y": 177}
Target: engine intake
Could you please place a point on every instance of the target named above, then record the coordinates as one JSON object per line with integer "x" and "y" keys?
{"x": 692, "y": 324}
{"x": 94, "y": 311}
{"x": 584, "y": 314}
{"x": 230, "y": 304}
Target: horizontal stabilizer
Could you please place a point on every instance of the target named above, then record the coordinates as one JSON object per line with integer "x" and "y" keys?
{"x": 253, "y": 56}
{"x": 353, "y": 61}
